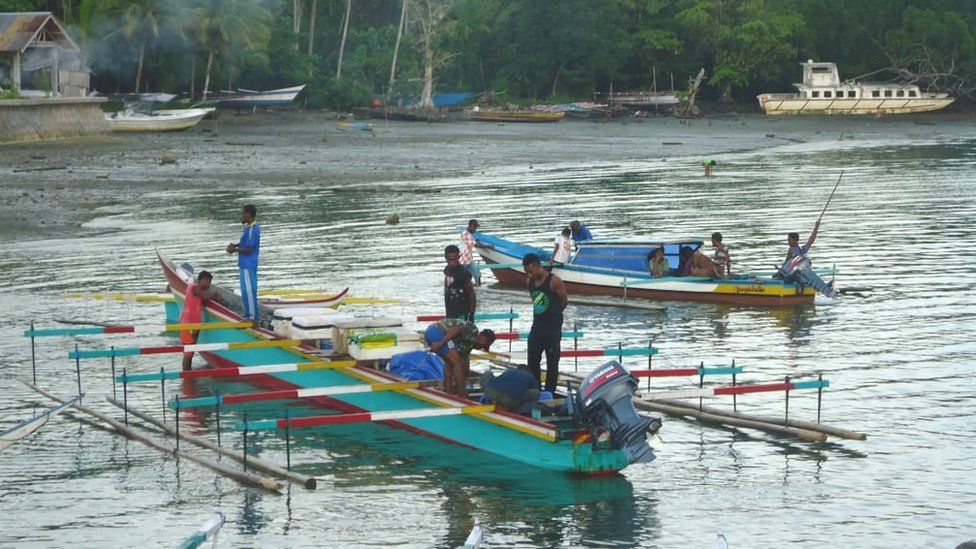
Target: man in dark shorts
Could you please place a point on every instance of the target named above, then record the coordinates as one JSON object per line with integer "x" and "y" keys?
{"x": 549, "y": 299}
{"x": 460, "y": 300}
{"x": 453, "y": 339}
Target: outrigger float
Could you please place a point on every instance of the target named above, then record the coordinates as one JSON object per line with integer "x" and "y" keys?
{"x": 621, "y": 268}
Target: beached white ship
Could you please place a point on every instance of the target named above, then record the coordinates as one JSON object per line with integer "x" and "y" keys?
{"x": 822, "y": 92}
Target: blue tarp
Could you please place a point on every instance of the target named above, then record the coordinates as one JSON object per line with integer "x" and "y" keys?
{"x": 417, "y": 366}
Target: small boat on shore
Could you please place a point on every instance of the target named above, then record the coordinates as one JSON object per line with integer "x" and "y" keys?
{"x": 132, "y": 120}
{"x": 822, "y": 92}
{"x": 516, "y": 116}
{"x": 251, "y": 98}
{"x": 604, "y": 435}
{"x": 621, "y": 268}
{"x": 639, "y": 99}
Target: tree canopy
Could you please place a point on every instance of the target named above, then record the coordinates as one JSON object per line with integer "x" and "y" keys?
{"x": 516, "y": 49}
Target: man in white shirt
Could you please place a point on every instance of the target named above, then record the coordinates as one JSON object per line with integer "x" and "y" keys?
{"x": 562, "y": 246}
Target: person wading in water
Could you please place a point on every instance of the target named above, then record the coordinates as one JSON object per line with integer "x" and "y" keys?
{"x": 549, "y": 299}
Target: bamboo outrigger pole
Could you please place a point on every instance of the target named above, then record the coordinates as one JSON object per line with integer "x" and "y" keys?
{"x": 252, "y": 461}
{"x": 240, "y": 476}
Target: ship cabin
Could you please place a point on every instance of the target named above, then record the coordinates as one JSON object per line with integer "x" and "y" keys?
{"x": 633, "y": 256}
{"x": 822, "y": 81}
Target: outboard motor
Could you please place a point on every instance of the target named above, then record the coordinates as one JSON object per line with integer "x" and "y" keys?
{"x": 799, "y": 270}
{"x": 604, "y": 401}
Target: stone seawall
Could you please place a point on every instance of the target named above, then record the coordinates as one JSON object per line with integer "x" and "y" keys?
{"x": 53, "y": 118}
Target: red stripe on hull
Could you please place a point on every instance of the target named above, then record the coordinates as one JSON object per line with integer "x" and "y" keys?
{"x": 119, "y": 330}
{"x": 511, "y": 278}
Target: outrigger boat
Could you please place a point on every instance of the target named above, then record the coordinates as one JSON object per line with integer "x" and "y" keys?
{"x": 605, "y": 435}
{"x": 621, "y": 268}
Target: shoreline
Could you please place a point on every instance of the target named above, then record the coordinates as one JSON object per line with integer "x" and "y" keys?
{"x": 53, "y": 188}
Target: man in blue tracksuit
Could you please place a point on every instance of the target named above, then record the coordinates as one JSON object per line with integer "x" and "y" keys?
{"x": 247, "y": 250}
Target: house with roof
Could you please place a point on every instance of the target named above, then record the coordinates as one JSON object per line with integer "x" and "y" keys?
{"x": 38, "y": 57}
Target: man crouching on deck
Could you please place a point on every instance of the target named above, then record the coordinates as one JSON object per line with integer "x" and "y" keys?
{"x": 197, "y": 293}
{"x": 453, "y": 339}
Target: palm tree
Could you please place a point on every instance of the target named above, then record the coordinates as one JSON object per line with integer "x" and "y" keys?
{"x": 220, "y": 24}
{"x": 141, "y": 18}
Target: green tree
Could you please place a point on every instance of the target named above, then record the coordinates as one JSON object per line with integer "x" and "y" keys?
{"x": 742, "y": 40}
{"x": 221, "y": 25}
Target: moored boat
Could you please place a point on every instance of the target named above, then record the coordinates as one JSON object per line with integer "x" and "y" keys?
{"x": 252, "y": 98}
{"x": 560, "y": 444}
{"x": 155, "y": 121}
{"x": 621, "y": 268}
{"x": 822, "y": 92}
{"x": 516, "y": 116}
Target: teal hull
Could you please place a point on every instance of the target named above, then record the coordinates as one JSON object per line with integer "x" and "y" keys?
{"x": 466, "y": 430}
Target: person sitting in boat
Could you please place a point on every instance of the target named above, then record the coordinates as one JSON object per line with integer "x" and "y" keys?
{"x": 580, "y": 232}
{"x": 721, "y": 257}
{"x": 453, "y": 339}
{"x": 685, "y": 255}
{"x": 659, "y": 264}
{"x": 793, "y": 241}
{"x": 561, "y": 247}
{"x": 701, "y": 265}
{"x": 197, "y": 293}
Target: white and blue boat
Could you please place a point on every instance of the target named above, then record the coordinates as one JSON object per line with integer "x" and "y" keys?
{"x": 622, "y": 268}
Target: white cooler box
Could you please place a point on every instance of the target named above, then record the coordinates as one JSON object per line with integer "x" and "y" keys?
{"x": 281, "y": 320}
{"x": 406, "y": 340}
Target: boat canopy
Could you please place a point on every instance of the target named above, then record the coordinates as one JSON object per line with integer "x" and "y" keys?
{"x": 633, "y": 256}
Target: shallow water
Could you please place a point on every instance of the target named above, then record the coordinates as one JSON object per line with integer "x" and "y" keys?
{"x": 899, "y": 357}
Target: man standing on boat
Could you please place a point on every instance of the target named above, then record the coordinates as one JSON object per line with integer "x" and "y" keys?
{"x": 460, "y": 300}
{"x": 468, "y": 244}
{"x": 197, "y": 293}
{"x": 581, "y": 233}
{"x": 247, "y": 250}
{"x": 453, "y": 339}
{"x": 562, "y": 245}
{"x": 549, "y": 299}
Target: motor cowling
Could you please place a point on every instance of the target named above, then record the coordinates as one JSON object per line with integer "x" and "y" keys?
{"x": 605, "y": 402}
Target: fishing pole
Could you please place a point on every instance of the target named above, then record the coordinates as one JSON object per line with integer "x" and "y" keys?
{"x": 831, "y": 197}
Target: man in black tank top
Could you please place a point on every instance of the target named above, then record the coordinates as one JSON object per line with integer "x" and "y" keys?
{"x": 549, "y": 299}
{"x": 459, "y": 297}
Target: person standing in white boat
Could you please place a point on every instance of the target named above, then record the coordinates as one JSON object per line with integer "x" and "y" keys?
{"x": 562, "y": 245}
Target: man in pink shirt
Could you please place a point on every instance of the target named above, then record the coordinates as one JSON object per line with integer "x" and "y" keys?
{"x": 196, "y": 294}
{"x": 468, "y": 244}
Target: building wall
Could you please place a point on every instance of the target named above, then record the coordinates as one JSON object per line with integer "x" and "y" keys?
{"x": 52, "y": 118}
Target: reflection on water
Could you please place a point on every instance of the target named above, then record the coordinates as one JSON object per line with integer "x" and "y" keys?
{"x": 898, "y": 357}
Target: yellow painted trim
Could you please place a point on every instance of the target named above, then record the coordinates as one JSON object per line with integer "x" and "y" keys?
{"x": 478, "y": 409}
{"x": 502, "y": 421}
{"x": 338, "y": 365}
{"x": 397, "y": 386}
{"x": 263, "y": 343}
